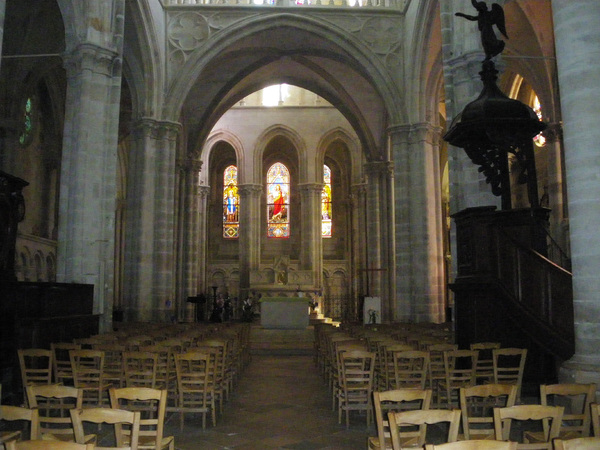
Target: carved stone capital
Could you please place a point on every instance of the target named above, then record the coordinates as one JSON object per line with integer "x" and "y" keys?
{"x": 311, "y": 188}
{"x": 157, "y": 129}
{"x": 90, "y": 57}
{"x": 248, "y": 190}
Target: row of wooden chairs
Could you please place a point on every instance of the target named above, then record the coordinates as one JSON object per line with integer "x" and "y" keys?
{"x": 56, "y": 414}
{"x": 487, "y": 411}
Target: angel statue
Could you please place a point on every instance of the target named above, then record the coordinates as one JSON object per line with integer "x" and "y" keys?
{"x": 485, "y": 21}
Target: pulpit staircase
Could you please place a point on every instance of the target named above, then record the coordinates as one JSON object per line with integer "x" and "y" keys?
{"x": 507, "y": 291}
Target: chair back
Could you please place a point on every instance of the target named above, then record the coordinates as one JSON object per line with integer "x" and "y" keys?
{"x": 56, "y": 401}
{"x": 115, "y": 417}
{"x": 576, "y": 398}
{"x": 19, "y": 414}
{"x": 477, "y": 405}
{"x": 422, "y": 418}
{"x": 411, "y": 369}
{"x": 585, "y": 443}
{"x": 396, "y": 400}
{"x": 485, "y": 361}
{"x": 154, "y": 404}
{"x": 595, "y": 413}
{"x": 63, "y": 372}
{"x": 509, "y": 365}
{"x": 140, "y": 368}
{"x": 504, "y": 418}
{"x": 36, "y": 366}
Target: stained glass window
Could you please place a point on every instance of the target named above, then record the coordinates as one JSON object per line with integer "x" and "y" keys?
{"x": 539, "y": 140}
{"x": 231, "y": 204}
{"x": 278, "y": 201}
{"x": 27, "y": 122}
{"x": 326, "y": 204}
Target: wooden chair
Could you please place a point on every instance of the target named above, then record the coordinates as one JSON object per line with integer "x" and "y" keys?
{"x": 505, "y": 417}
{"x": 194, "y": 387}
{"x": 63, "y": 372}
{"x": 140, "y": 369}
{"x": 115, "y": 417}
{"x": 509, "y": 365}
{"x": 477, "y": 405}
{"x": 437, "y": 372}
{"x": 395, "y": 400}
{"x": 153, "y": 420}
{"x": 47, "y": 445}
{"x": 459, "y": 368}
{"x": 595, "y": 413}
{"x": 485, "y": 362}
{"x": 340, "y": 348}
{"x": 584, "y": 443}
{"x": 576, "y": 399}
{"x": 474, "y": 445}
{"x": 55, "y": 420}
{"x": 384, "y": 367}
{"x": 36, "y": 367}
{"x": 88, "y": 375}
{"x": 217, "y": 349}
{"x": 422, "y": 418}
{"x": 18, "y": 414}
{"x": 411, "y": 369}
{"x": 113, "y": 363}
{"x": 357, "y": 379}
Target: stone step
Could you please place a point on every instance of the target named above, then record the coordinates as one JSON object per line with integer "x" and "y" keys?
{"x": 282, "y": 342}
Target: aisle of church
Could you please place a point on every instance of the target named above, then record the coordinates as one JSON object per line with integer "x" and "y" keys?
{"x": 280, "y": 402}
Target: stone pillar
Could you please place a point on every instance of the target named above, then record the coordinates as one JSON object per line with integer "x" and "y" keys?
{"x": 191, "y": 238}
{"x": 375, "y": 171}
{"x": 358, "y": 237}
{"x": 203, "y": 196}
{"x": 577, "y": 37}
{"x": 418, "y": 218}
{"x": 250, "y": 233}
{"x": 88, "y": 173}
{"x": 150, "y": 243}
{"x": 311, "y": 252}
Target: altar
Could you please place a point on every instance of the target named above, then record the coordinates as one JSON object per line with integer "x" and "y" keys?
{"x": 284, "y": 312}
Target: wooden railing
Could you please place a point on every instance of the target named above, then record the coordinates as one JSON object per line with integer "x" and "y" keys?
{"x": 539, "y": 291}
{"x": 506, "y": 292}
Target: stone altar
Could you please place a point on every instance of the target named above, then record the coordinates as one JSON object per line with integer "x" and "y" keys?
{"x": 284, "y": 312}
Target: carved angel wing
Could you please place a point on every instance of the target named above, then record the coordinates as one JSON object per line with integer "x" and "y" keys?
{"x": 497, "y": 16}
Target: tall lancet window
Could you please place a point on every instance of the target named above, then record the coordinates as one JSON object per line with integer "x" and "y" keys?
{"x": 231, "y": 203}
{"x": 326, "y": 204}
{"x": 278, "y": 201}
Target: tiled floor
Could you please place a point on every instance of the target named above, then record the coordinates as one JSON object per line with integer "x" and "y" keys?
{"x": 280, "y": 402}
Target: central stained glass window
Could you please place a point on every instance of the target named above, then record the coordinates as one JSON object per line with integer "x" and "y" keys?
{"x": 231, "y": 204}
{"x": 278, "y": 201}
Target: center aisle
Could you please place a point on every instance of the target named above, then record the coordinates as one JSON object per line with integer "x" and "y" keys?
{"x": 280, "y": 402}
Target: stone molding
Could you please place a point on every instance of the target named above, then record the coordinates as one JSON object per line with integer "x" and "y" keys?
{"x": 188, "y": 31}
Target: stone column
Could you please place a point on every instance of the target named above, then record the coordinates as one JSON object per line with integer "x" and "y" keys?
{"x": 250, "y": 233}
{"x": 88, "y": 173}
{"x": 150, "y": 243}
{"x": 311, "y": 252}
{"x": 358, "y": 238}
{"x": 418, "y": 218}
{"x": 577, "y": 37}
{"x": 375, "y": 171}
{"x": 203, "y": 196}
{"x": 191, "y": 238}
